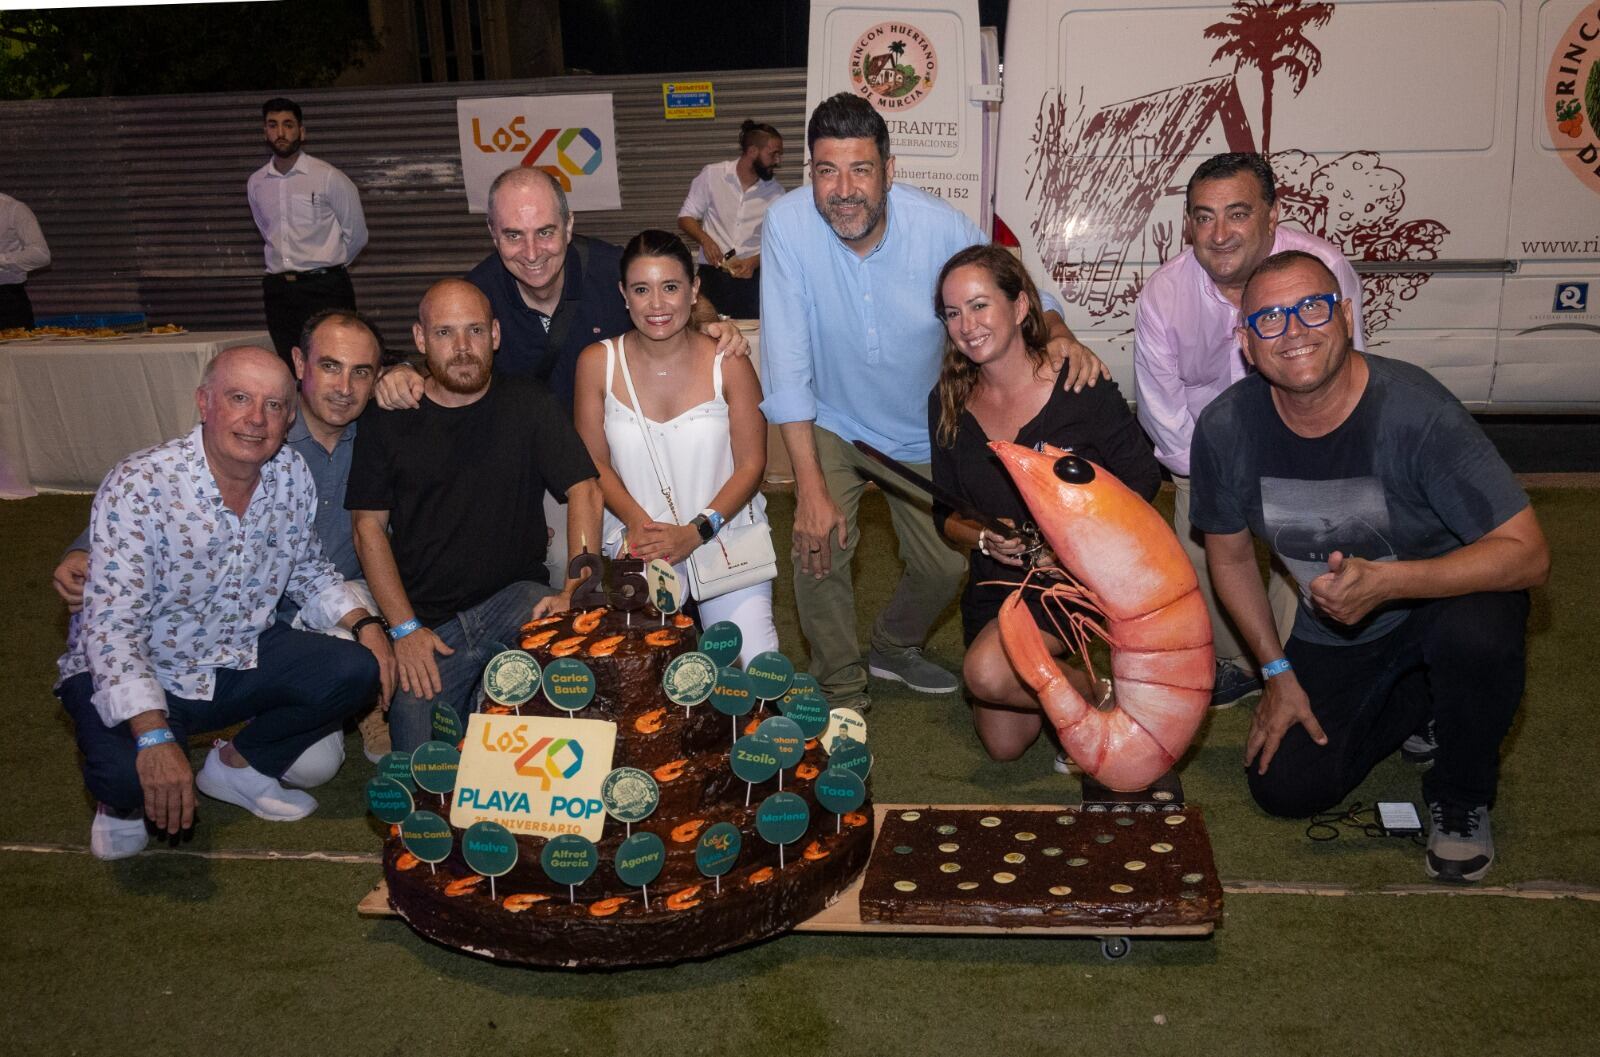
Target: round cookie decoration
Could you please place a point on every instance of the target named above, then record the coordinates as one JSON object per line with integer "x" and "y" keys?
{"x": 852, "y": 755}
{"x": 639, "y": 860}
{"x": 397, "y": 765}
{"x": 446, "y": 724}
{"x": 689, "y": 679}
{"x": 755, "y": 759}
{"x": 840, "y": 791}
{"x": 782, "y": 819}
{"x": 809, "y": 710}
{"x": 569, "y": 860}
{"x": 733, "y": 695}
{"x": 434, "y": 765}
{"x": 722, "y": 642}
{"x": 718, "y": 851}
{"x": 771, "y": 672}
{"x": 512, "y": 678}
{"x": 788, "y": 740}
{"x": 844, "y": 723}
{"x": 568, "y": 683}
{"x": 388, "y": 799}
{"x": 490, "y": 849}
{"x": 666, "y": 590}
{"x": 629, "y": 795}
{"x": 427, "y": 836}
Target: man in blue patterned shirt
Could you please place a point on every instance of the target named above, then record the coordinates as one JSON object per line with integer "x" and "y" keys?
{"x": 192, "y": 544}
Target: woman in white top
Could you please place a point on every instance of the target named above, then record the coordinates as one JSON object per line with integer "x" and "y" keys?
{"x": 704, "y": 417}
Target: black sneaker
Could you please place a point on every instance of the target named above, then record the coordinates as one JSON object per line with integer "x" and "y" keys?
{"x": 1460, "y": 846}
{"x": 1421, "y": 747}
{"x": 1233, "y": 683}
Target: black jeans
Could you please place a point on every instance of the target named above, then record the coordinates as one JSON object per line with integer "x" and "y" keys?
{"x": 1458, "y": 660}
{"x": 15, "y": 308}
{"x": 291, "y": 300}
{"x": 303, "y": 687}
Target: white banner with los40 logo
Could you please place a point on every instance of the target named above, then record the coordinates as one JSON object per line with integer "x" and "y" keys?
{"x": 534, "y": 775}
{"x": 571, "y": 137}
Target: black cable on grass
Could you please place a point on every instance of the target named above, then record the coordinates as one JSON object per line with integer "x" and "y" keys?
{"x": 1329, "y": 825}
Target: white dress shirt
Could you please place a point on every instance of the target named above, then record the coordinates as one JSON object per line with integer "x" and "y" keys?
{"x": 310, "y": 217}
{"x": 180, "y": 586}
{"x": 731, "y": 215}
{"x": 22, "y": 245}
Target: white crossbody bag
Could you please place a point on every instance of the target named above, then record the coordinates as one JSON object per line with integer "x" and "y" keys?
{"x": 739, "y": 556}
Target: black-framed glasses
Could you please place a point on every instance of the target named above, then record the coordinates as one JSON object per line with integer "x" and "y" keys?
{"x": 1272, "y": 321}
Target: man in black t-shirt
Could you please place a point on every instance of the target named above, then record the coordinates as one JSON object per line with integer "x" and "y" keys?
{"x": 1414, "y": 548}
{"x": 447, "y": 507}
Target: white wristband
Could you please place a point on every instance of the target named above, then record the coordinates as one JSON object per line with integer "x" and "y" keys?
{"x": 983, "y": 543}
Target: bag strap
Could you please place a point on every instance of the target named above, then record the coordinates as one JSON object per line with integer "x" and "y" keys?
{"x": 644, "y": 431}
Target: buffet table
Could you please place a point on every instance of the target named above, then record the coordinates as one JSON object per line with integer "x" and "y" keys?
{"x": 71, "y": 407}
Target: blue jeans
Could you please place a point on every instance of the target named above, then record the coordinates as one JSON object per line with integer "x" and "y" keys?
{"x": 476, "y": 635}
{"x": 303, "y": 687}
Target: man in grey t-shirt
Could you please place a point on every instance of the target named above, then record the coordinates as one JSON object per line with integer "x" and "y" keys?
{"x": 1414, "y": 547}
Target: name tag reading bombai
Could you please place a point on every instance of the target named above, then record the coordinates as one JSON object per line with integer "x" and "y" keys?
{"x": 771, "y": 672}
{"x": 535, "y": 775}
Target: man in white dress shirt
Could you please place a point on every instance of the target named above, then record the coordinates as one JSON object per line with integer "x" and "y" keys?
{"x": 723, "y": 213}
{"x": 22, "y": 250}
{"x": 311, "y": 225}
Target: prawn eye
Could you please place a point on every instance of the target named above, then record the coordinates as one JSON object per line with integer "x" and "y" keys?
{"x": 1074, "y": 470}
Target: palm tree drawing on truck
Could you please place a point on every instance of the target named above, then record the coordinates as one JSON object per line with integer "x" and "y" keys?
{"x": 1270, "y": 35}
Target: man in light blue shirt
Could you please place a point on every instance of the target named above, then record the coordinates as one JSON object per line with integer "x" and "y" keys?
{"x": 850, "y": 350}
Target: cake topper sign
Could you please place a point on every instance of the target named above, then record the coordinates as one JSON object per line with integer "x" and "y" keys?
{"x": 534, "y": 775}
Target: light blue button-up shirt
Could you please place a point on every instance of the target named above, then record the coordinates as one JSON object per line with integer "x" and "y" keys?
{"x": 853, "y": 342}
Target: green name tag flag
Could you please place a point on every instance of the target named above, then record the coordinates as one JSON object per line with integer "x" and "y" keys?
{"x": 446, "y": 724}
{"x": 568, "y": 683}
{"x": 722, "y": 642}
{"x": 852, "y": 755}
{"x": 689, "y": 679}
{"x": 734, "y": 694}
{"x": 630, "y": 795}
{"x": 782, "y": 818}
{"x": 569, "y": 859}
{"x": 771, "y": 672}
{"x": 397, "y": 765}
{"x": 427, "y": 836}
{"x": 787, "y": 738}
{"x": 718, "y": 849}
{"x": 808, "y": 709}
{"x": 640, "y": 859}
{"x": 388, "y": 799}
{"x": 434, "y": 766}
{"x": 840, "y": 790}
{"x": 511, "y": 678}
{"x": 754, "y": 758}
{"x": 489, "y": 847}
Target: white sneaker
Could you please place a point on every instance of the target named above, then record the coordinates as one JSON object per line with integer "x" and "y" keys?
{"x": 113, "y": 837}
{"x": 250, "y": 789}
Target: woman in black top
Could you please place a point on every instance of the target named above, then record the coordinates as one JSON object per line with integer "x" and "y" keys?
{"x": 999, "y": 383}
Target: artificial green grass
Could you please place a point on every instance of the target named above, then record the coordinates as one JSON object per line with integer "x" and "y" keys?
{"x": 271, "y": 957}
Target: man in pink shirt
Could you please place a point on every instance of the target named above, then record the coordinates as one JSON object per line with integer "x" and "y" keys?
{"x": 1186, "y": 352}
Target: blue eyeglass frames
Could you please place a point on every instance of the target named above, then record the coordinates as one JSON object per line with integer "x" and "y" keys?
{"x": 1272, "y": 321}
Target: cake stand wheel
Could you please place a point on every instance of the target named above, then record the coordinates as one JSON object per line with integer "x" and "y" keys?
{"x": 1115, "y": 948}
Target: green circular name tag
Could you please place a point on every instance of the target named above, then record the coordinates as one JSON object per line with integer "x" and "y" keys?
{"x": 446, "y": 724}
{"x": 388, "y": 799}
{"x": 629, "y": 794}
{"x": 787, "y": 739}
{"x": 568, "y": 683}
{"x": 853, "y": 756}
{"x": 805, "y": 681}
{"x": 640, "y": 859}
{"x": 397, "y": 765}
{"x": 840, "y": 790}
{"x": 489, "y": 847}
{"x": 771, "y": 672}
{"x": 754, "y": 758}
{"x": 722, "y": 642}
{"x": 734, "y": 694}
{"x": 427, "y": 836}
{"x": 434, "y": 766}
{"x": 782, "y": 818}
{"x": 689, "y": 679}
{"x": 718, "y": 849}
{"x": 569, "y": 859}
{"x": 511, "y": 678}
{"x": 808, "y": 708}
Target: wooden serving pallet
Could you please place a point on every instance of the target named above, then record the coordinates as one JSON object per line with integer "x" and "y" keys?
{"x": 844, "y": 915}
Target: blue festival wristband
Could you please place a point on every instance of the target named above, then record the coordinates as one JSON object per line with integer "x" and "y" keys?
{"x": 151, "y": 738}
{"x": 716, "y": 519}
{"x": 1277, "y": 667}
{"x": 400, "y": 631}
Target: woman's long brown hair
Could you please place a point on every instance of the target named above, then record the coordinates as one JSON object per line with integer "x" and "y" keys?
{"x": 958, "y": 376}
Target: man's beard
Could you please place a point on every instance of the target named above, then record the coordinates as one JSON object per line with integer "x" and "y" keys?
{"x": 285, "y": 152}
{"x": 869, "y": 217}
{"x": 462, "y": 385}
{"x": 763, "y": 172}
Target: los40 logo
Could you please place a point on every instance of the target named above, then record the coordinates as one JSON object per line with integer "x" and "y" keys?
{"x": 514, "y": 136}
{"x": 541, "y": 758}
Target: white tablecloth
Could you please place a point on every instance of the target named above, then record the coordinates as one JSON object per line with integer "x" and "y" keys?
{"x": 69, "y": 409}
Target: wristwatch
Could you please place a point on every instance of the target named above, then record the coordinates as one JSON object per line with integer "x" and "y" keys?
{"x": 702, "y": 525}
{"x": 355, "y": 629}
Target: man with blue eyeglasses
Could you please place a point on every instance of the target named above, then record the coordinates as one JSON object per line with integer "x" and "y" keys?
{"x": 1185, "y": 352}
{"x": 1414, "y": 548}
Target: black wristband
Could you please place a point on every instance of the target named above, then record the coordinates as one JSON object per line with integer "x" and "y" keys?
{"x": 355, "y": 629}
{"x": 702, "y": 525}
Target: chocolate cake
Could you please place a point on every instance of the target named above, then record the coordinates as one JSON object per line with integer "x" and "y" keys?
{"x": 530, "y": 919}
{"x": 1113, "y": 866}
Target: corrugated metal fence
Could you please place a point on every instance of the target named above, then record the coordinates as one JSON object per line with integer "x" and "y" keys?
{"x": 143, "y": 203}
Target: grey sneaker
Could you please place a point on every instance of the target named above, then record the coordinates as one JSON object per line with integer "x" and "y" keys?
{"x": 1460, "y": 846}
{"x": 859, "y": 702}
{"x": 1232, "y": 683}
{"x": 1421, "y": 746}
{"x": 909, "y": 666}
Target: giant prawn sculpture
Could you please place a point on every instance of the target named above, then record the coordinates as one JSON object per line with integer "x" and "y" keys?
{"x": 1121, "y": 560}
